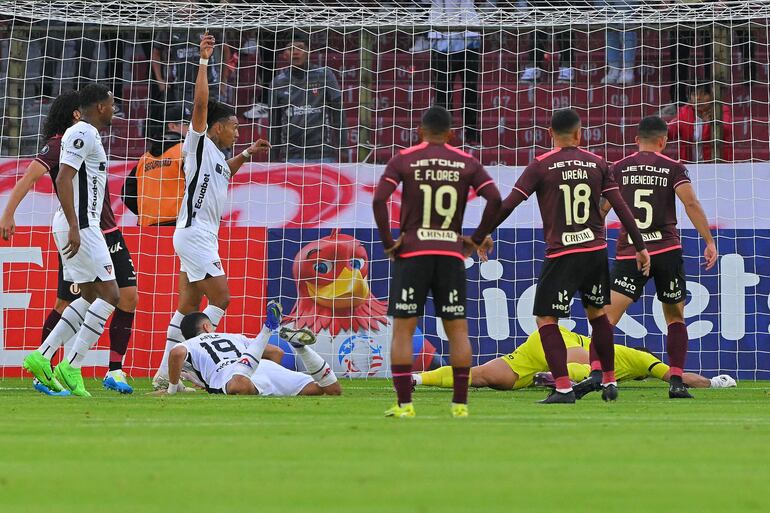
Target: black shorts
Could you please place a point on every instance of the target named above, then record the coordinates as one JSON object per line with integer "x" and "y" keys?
{"x": 667, "y": 269}
{"x": 125, "y": 274}
{"x": 413, "y": 277}
{"x": 562, "y": 276}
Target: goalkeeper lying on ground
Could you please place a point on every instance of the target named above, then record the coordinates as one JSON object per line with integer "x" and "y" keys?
{"x": 224, "y": 363}
{"x": 519, "y": 368}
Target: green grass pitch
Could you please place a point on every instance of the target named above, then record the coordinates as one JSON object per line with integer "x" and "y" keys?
{"x": 215, "y": 454}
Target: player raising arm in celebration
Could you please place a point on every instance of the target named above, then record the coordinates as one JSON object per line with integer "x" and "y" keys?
{"x": 226, "y": 363}
{"x": 650, "y": 182}
{"x": 570, "y": 183}
{"x": 64, "y": 113}
{"x": 80, "y": 185}
{"x": 214, "y": 128}
{"x": 429, "y": 254}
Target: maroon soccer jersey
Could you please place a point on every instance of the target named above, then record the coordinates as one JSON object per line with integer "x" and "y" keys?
{"x": 569, "y": 183}
{"x": 49, "y": 157}
{"x": 648, "y": 183}
{"x": 437, "y": 179}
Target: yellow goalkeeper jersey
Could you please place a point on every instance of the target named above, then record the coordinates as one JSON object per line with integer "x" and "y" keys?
{"x": 529, "y": 358}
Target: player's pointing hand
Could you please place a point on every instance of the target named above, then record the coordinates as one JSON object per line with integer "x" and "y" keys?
{"x": 207, "y": 45}
{"x": 260, "y": 146}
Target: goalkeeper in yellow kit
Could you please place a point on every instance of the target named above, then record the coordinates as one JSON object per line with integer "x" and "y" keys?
{"x": 518, "y": 369}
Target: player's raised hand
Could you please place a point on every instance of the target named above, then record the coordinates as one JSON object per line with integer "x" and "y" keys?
{"x": 710, "y": 255}
{"x": 260, "y": 146}
{"x": 207, "y": 45}
{"x": 73, "y": 243}
{"x": 469, "y": 247}
{"x": 643, "y": 261}
{"x": 392, "y": 251}
{"x": 485, "y": 249}
{"x": 7, "y": 227}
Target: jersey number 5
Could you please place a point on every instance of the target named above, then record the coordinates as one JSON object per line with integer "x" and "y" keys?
{"x": 640, "y": 204}
{"x": 445, "y": 204}
{"x": 576, "y": 203}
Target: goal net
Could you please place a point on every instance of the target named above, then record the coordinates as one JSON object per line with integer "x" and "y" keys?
{"x": 338, "y": 88}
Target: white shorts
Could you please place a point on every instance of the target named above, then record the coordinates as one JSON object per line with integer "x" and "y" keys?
{"x": 269, "y": 379}
{"x": 198, "y": 252}
{"x": 92, "y": 260}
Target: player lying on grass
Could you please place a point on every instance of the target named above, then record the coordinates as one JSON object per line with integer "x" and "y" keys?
{"x": 520, "y": 368}
{"x": 226, "y": 363}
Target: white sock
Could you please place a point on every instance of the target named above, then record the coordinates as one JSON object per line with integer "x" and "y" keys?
{"x": 173, "y": 337}
{"x": 417, "y": 379}
{"x": 250, "y": 359}
{"x": 92, "y": 328}
{"x": 316, "y": 366}
{"x": 215, "y": 314}
{"x": 67, "y": 327}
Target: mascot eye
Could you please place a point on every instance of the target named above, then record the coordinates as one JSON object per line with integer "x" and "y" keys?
{"x": 322, "y": 267}
{"x": 357, "y": 263}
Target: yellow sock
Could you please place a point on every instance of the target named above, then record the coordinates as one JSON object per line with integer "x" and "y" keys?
{"x": 441, "y": 377}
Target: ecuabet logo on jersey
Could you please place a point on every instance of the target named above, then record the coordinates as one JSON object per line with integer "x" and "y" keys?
{"x": 78, "y": 143}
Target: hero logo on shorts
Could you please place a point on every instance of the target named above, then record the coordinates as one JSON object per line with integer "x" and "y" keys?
{"x": 454, "y": 297}
{"x": 674, "y": 292}
{"x": 623, "y": 282}
{"x": 596, "y": 295}
{"x": 564, "y": 301}
{"x": 78, "y": 143}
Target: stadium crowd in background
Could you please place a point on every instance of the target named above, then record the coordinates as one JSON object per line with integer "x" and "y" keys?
{"x": 147, "y": 70}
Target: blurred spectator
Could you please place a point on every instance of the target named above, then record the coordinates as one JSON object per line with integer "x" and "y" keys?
{"x": 305, "y": 109}
{"x": 687, "y": 38}
{"x": 544, "y": 47}
{"x": 747, "y": 45}
{"x": 175, "y": 55}
{"x": 621, "y": 46}
{"x": 457, "y": 54}
{"x": 697, "y": 133}
{"x": 155, "y": 187}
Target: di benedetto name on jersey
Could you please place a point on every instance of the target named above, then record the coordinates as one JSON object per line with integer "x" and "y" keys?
{"x": 207, "y": 177}
{"x": 82, "y": 149}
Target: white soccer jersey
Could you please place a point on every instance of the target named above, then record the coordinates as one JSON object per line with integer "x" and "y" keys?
{"x": 81, "y": 148}
{"x": 211, "y": 354}
{"x": 207, "y": 177}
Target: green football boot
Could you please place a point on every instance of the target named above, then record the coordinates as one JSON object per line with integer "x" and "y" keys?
{"x": 71, "y": 378}
{"x": 38, "y": 366}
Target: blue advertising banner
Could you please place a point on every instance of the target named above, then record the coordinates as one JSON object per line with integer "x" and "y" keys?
{"x": 728, "y": 308}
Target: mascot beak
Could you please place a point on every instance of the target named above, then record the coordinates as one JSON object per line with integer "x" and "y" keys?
{"x": 348, "y": 289}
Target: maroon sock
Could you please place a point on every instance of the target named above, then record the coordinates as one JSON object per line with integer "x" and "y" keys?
{"x": 676, "y": 347}
{"x": 120, "y": 334}
{"x": 593, "y": 357}
{"x": 49, "y": 324}
{"x": 555, "y": 353}
{"x": 402, "y": 382}
{"x": 461, "y": 376}
{"x": 601, "y": 341}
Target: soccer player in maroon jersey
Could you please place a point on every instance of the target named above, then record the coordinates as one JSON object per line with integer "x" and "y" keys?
{"x": 64, "y": 113}
{"x": 650, "y": 182}
{"x": 430, "y": 251}
{"x": 570, "y": 183}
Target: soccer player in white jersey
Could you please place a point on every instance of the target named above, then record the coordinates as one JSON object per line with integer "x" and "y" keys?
{"x": 232, "y": 364}
{"x": 214, "y": 128}
{"x": 80, "y": 185}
